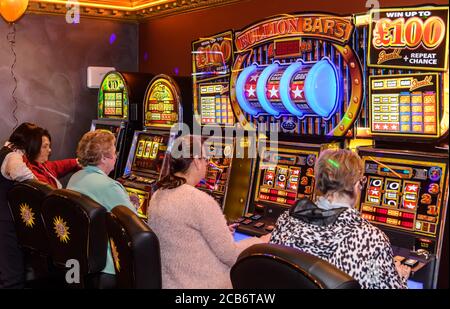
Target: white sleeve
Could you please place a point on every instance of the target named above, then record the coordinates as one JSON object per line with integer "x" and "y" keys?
{"x": 13, "y": 168}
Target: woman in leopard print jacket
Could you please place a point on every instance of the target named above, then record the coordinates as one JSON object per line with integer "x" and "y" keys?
{"x": 334, "y": 231}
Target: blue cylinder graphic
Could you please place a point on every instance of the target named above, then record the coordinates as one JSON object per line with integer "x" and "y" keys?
{"x": 299, "y": 89}
{"x": 292, "y": 89}
{"x": 246, "y": 90}
{"x": 322, "y": 88}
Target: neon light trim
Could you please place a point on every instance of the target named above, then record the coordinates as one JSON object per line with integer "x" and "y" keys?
{"x": 240, "y": 89}
{"x": 261, "y": 88}
{"x": 322, "y": 89}
{"x": 285, "y": 88}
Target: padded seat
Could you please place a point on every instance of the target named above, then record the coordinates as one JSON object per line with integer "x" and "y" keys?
{"x": 76, "y": 230}
{"x": 25, "y": 202}
{"x": 270, "y": 266}
{"x": 135, "y": 249}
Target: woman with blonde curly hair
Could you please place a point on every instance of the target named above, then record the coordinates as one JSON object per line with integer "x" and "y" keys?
{"x": 96, "y": 152}
{"x": 333, "y": 229}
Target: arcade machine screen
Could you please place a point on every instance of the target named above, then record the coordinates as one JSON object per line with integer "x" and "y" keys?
{"x": 397, "y": 110}
{"x": 404, "y": 194}
{"x": 218, "y": 172}
{"x": 215, "y": 104}
{"x": 149, "y": 153}
{"x": 161, "y": 104}
{"x": 140, "y": 200}
{"x": 144, "y": 166}
{"x": 282, "y": 177}
{"x": 112, "y": 96}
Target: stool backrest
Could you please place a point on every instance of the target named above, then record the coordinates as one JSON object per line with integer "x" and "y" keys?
{"x": 135, "y": 249}
{"x": 25, "y": 201}
{"x": 76, "y": 229}
{"x": 270, "y": 266}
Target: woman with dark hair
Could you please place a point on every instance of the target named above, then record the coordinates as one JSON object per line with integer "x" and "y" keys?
{"x": 13, "y": 168}
{"x": 37, "y": 154}
{"x": 197, "y": 246}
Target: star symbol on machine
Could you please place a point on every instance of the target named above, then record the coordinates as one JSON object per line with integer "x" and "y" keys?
{"x": 377, "y": 126}
{"x": 412, "y": 188}
{"x": 273, "y": 92}
{"x": 385, "y": 127}
{"x": 394, "y": 127}
{"x": 374, "y": 192}
{"x": 410, "y": 205}
{"x": 251, "y": 91}
{"x": 297, "y": 92}
{"x": 254, "y": 77}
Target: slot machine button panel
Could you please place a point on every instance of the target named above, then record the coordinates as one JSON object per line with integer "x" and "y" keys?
{"x": 247, "y": 222}
{"x": 269, "y": 228}
{"x": 258, "y": 225}
{"x": 239, "y": 220}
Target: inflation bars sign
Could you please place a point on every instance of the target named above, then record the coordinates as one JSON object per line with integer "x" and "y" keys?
{"x": 414, "y": 38}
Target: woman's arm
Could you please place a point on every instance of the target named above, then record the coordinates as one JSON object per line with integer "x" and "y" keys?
{"x": 61, "y": 168}
{"x": 14, "y": 168}
{"x": 213, "y": 226}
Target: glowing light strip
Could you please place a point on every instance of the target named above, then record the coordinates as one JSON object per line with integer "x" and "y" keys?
{"x": 285, "y": 88}
{"x": 105, "y": 6}
{"x": 240, "y": 88}
{"x": 261, "y": 88}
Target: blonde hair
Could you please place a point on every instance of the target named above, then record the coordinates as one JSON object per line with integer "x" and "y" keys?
{"x": 338, "y": 171}
{"x": 93, "y": 146}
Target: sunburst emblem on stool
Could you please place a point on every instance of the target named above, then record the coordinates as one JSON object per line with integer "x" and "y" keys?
{"x": 115, "y": 254}
{"x": 27, "y": 215}
{"x": 61, "y": 229}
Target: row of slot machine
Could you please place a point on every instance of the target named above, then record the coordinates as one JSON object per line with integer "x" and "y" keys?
{"x": 141, "y": 109}
{"x": 376, "y": 83}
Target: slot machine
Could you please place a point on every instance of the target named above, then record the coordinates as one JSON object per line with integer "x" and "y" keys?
{"x": 212, "y": 59}
{"x": 163, "y": 109}
{"x": 120, "y": 110}
{"x": 406, "y": 194}
{"x": 291, "y": 77}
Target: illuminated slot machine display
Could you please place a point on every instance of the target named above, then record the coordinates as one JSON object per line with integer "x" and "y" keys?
{"x": 212, "y": 59}
{"x": 283, "y": 175}
{"x": 406, "y": 194}
{"x": 304, "y": 86}
{"x": 119, "y": 108}
{"x": 145, "y": 164}
{"x": 218, "y": 170}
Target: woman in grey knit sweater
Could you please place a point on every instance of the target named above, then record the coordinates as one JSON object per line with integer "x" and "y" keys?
{"x": 197, "y": 246}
